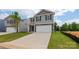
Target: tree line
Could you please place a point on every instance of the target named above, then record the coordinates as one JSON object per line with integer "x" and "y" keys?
{"x": 67, "y": 27}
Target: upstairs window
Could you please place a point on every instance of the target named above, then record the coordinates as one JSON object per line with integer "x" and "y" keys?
{"x": 38, "y": 18}
{"x": 8, "y": 21}
{"x": 48, "y": 17}
{"x": 11, "y": 22}
{"x": 32, "y": 19}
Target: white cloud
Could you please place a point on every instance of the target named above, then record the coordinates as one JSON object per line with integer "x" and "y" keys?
{"x": 2, "y": 16}
{"x": 72, "y": 20}
{"x": 60, "y": 12}
{"x": 59, "y": 22}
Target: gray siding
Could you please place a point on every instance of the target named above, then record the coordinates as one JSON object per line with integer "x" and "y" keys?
{"x": 24, "y": 26}
{"x": 2, "y": 26}
{"x": 9, "y": 22}
{"x": 43, "y": 20}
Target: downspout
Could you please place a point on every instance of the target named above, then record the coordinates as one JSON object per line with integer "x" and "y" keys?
{"x": 53, "y": 29}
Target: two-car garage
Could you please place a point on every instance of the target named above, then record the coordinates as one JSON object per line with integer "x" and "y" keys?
{"x": 44, "y": 28}
{"x": 10, "y": 29}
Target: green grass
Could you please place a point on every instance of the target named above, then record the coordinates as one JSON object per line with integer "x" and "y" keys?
{"x": 12, "y": 36}
{"x": 59, "y": 40}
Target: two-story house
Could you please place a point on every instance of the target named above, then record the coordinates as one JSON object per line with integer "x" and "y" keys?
{"x": 43, "y": 21}
{"x": 10, "y": 24}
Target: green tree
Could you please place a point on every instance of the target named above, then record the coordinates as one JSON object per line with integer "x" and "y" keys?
{"x": 64, "y": 27}
{"x": 56, "y": 27}
{"x": 77, "y": 27}
{"x": 74, "y": 26}
{"x": 17, "y": 18}
{"x": 70, "y": 27}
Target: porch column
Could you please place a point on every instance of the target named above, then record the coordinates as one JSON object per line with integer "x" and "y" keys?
{"x": 30, "y": 29}
{"x": 34, "y": 28}
{"x": 53, "y": 29}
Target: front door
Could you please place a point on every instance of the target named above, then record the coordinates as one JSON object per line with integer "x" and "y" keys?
{"x": 31, "y": 28}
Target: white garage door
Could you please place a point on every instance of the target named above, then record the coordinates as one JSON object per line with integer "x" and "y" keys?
{"x": 11, "y": 29}
{"x": 44, "y": 28}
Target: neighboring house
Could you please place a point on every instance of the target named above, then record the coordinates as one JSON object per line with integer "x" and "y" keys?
{"x": 23, "y": 26}
{"x": 42, "y": 22}
{"x": 2, "y": 26}
{"x": 9, "y": 23}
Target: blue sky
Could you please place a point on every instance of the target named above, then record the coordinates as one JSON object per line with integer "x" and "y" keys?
{"x": 67, "y": 16}
{"x": 61, "y": 15}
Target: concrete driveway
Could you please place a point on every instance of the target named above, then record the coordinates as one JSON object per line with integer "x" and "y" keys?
{"x": 32, "y": 41}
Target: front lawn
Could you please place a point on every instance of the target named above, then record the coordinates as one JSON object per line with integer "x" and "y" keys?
{"x": 59, "y": 40}
{"x": 12, "y": 36}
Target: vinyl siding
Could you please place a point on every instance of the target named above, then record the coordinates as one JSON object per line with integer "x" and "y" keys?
{"x": 2, "y": 26}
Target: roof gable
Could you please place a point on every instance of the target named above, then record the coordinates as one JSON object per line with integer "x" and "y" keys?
{"x": 10, "y": 16}
{"x": 43, "y": 11}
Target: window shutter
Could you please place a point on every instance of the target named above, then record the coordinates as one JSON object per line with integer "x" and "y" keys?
{"x": 45, "y": 17}
{"x": 40, "y": 18}
{"x": 50, "y": 17}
